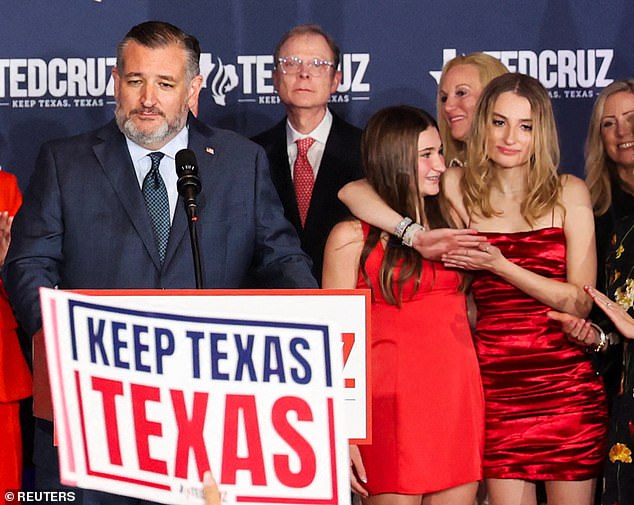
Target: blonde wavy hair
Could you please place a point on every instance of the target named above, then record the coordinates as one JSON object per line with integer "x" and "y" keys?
{"x": 600, "y": 169}
{"x": 488, "y": 68}
{"x": 543, "y": 184}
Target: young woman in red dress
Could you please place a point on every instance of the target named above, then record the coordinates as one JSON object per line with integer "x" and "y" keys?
{"x": 427, "y": 403}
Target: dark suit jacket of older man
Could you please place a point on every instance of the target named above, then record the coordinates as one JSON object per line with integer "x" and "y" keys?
{"x": 339, "y": 165}
{"x": 84, "y": 224}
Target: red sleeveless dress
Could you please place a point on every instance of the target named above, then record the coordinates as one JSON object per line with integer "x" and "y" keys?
{"x": 15, "y": 377}
{"x": 427, "y": 402}
{"x": 545, "y": 405}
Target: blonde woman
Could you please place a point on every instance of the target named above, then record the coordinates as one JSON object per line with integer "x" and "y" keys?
{"x": 610, "y": 160}
{"x": 545, "y": 406}
{"x": 461, "y": 83}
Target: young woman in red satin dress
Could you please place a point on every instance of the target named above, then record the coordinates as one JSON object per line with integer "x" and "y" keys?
{"x": 427, "y": 402}
{"x": 545, "y": 406}
{"x": 15, "y": 378}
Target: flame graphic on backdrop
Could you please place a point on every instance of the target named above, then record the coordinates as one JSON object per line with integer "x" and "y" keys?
{"x": 224, "y": 79}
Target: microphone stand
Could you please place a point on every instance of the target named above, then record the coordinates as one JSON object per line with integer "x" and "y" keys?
{"x": 189, "y": 186}
{"x": 192, "y": 218}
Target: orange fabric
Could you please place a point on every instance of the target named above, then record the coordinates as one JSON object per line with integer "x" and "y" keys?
{"x": 10, "y": 447}
{"x": 15, "y": 377}
{"x": 10, "y": 196}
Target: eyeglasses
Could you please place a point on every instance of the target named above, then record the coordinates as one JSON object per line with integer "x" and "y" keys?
{"x": 293, "y": 65}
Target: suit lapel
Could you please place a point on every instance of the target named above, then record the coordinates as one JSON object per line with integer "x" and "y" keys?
{"x": 281, "y": 175}
{"x": 117, "y": 165}
{"x": 325, "y": 183}
{"x": 200, "y": 144}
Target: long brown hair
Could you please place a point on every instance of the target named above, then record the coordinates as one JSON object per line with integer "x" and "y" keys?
{"x": 389, "y": 152}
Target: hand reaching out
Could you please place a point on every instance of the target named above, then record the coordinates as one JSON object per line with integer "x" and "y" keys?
{"x": 576, "y": 329}
{"x": 357, "y": 472}
{"x": 482, "y": 257}
{"x": 617, "y": 314}
{"x": 210, "y": 489}
{"x": 432, "y": 244}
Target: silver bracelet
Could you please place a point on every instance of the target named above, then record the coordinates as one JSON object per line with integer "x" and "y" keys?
{"x": 410, "y": 231}
{"x": 603, "y": 338}
{"x": 402, "y": 226}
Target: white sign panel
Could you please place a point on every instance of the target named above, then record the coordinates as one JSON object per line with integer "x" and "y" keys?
{"x": 151, "y": 391}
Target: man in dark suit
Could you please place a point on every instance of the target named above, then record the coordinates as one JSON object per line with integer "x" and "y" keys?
{"x": 91, "y": 220}
{"x": 305, "y": 76}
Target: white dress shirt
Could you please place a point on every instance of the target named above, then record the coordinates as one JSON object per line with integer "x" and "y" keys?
{"x": 143, "y": 164}
{"x": 316, "y": 151}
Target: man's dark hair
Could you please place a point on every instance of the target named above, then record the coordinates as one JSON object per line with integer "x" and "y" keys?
{"x": 158, "y": 34}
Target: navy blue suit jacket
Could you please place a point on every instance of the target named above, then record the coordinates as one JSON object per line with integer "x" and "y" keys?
{"x": 84, "y": 224}
{"x": 339, "y": 165}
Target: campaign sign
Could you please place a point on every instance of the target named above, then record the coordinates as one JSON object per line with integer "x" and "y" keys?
{"x": 150, "y": 391}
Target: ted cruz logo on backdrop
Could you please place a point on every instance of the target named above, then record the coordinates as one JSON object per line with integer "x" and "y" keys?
{"x": 250, "y": 79}
{"x": 565, "y": 73}
{"x": 87, "y": 82}
{"x": 223, "y": 80}
{"x": 58, "y": 82}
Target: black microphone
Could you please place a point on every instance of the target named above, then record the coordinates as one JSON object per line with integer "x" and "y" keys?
{"x": 188, "y": 183}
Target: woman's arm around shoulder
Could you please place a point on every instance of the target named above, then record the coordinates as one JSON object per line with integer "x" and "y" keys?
{"x": 365, "y": 203}
{"x": 342, "y": 255}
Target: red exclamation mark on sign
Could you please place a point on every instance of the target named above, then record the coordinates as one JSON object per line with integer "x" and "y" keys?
{"x": 348, "y": 342}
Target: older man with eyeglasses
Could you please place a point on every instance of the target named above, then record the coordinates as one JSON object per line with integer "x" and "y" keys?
{"x": 312, "y": 152}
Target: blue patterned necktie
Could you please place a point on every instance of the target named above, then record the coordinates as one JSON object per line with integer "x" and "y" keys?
{"x": 155, "y": 195}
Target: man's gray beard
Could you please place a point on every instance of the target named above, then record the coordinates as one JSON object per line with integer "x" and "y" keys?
{"x": 163, "y": 134}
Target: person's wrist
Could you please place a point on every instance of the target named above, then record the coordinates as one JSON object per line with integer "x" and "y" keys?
{"x": 603, "y": 342}
{"x": 400, "y": 228}
{"x": 410, "y": 232}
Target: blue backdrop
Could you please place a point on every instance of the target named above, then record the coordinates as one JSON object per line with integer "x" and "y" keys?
{"x": 56, "y": 57}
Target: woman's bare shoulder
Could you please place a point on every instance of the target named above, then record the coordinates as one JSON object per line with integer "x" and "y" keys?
{"x": 345, "y": 233}
{"x": 574, "y": 189}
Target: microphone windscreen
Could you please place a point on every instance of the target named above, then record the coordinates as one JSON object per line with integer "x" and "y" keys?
{"x": 186, "y": 162}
